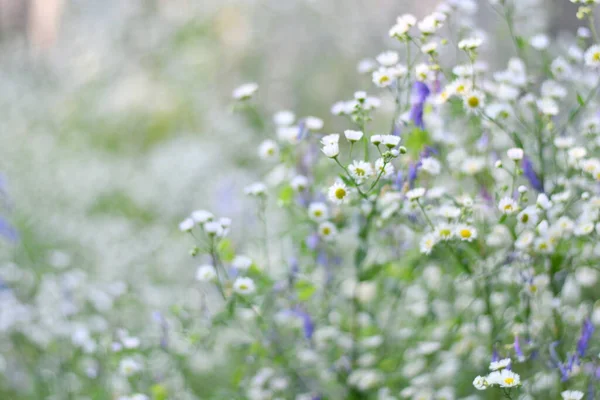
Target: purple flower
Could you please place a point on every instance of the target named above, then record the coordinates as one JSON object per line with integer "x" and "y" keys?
{"x": 586, "y": 334}
{"x": 312, "y": 241}
{"x": 8, "y": 231}
{"x": 420, "y": 92}
{"x": 518, "y": 351}
{"x": 413, "y": 170}
{"x": 531, "y": 176}
{"x": 307, "y": 323}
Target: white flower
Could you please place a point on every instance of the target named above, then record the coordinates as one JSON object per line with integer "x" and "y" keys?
{"x": 500, "y": 364}
{"x": 402, "y": 26}
{"x": 284, "y": 118}
{"x": 428, "y": 242}
{"x": 241, "y": 262}
{"x": 245, "y": 91}
{"x": 332, "y": 138}
{"x": 572, "y": 395}
{"x": 327, "y": 230}
{"x": 256, "y": 189}
{"x": 431, "y": 165}
{"x": 244, "y": 285}
{"x": 465, "y": 232}
{"x": 444, "y": 231}
{"x": 508, "y": 206}
{"x": 338, "y": 193}
{"x": 528, "y": 217}
{"x": 383, "y": 77}
{"x": 472, "y": 165}
{"x": 390, "y": 141}
{"x": 415, "y": 194}
{"x": 592, "y": 56}
{"x": 386, "y": 170}
{"x": 360, "y": 170}
{"x": 449, "y": 212}
{"x": 470, "y": 43}
{"x": 331, "y": 150}
{"x": 366, "y": 66}
{"x": 376, "y": 139}
{"x": 480, "y": 383}
{"x": 353, "y": 136}
{"x": 318, "y": 211}
{"x": 515, "y": 154}
{"x": 422, "y": 72}
{"x": 539, "y": 42}
{"x": 504, "y": 378}
{"x": 473, "y": 101}
{"x": 543, "y": 201}
{"x": 186, "y": 225}
{"x": 299, "y": 183}
{"x": 129, "y": 367}
{"x": 313, "y": 123}
{"x": 548, "y": 106}
{"x": 388, "y": 58}
{"x": 268, "y": 149}
{"x": 214, "y": 228}
{"x": 202, "y": 216}
{"x": 206, "y": 273}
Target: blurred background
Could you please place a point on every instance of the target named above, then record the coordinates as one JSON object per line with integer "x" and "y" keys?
{"x": 116, "y": 122}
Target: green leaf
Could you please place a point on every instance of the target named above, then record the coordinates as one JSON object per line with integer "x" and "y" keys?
{"x": 225, "y": 249}
{"x": 286, "y": 195}
{"x": 159, "y": 392}
{"x": 521, "y": 43}
{"x": 580, "y": 100}
{"x": 371, "y": 273}
{"x": 416, "y": 140}
{"x": 304, "y": 289}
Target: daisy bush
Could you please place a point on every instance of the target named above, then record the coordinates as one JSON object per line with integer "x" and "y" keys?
{"x": 433, "y": 235}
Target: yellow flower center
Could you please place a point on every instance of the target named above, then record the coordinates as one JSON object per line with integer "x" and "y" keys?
{"x": 384, "y": 79}
{"x": 326, "y": 231}
{"x": 318, "y": 213}
{"x": 509, "y": 381}
{"x": 473, "y": 102}
{"x": 465, "y": 233}
{"x": 340, "y": 193}
{"x": 360, "y": 172}
{"x": 525, "y": 218}
{"x": 596, "y": 56}
{"x": 445, "y": 232}
{"x": 243, "y": 286}
{"x": 508, "y": 207}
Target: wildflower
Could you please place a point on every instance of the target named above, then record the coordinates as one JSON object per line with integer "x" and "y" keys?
{"x": 470, "y": 43}
{"x": 376, "y": 139}
{"x": 480, "y": 383}
{"x": 422, "y": 72}
{"x": 241, "y": 262}
{"x": 508, "y": 206}
{"x": 530, "y": 174}
{"x": 366, "y": 66}
{"x": 213, "y": 228}
{"x": 431, "y": 165}
{"x": 353, "y": 136}
{"x": 244, "y": 286}
{"x": 318, "y": 212}
{"x": 256, "y": 189}
{"x": 586, "y": 334}
{"x": 515, "y": 154}
{"x": 245, "y": 91}
{"x": 129, "y": 367}
{"x": 473, "y": 101}
{"x": 388, "y": 58}
{"x": 402, "y": 26}
{"x": 415, "y": 194}
{"x": 313, "y": 123}
{"x": 385, "y": 169}
{"x": 331, "y": 150}
{"x": 390, "y": 141}
{"x": 338, "y": 193}
{"x": 465, "y": 232}
{"x": 528, "y": 217}
{"x": 572, "y": 395}
{"x": 383, "y": 77}
{"x": 548, "y": 106}
{"x": 299, "y": 183}
{"x": 444, "y": 231}
{"x": 539, "y": 42}
{"x": 284, "y": 118}
{"x": 504, "y": 378}
{"x": 327, "y": 230}
{"x": 420, "y": 92}
{"x": 268, "y": 149}
{"x": 592, "y": 56}
{"x": 360, "y": 170}
{"x": 331, "y": 139}
{"x": 500, "y": 364}
{"x": 427, "y": 243}
{"x": 202, "y": 216}
{"x": 186, "y": 225}
{"x": 206, "y": 273}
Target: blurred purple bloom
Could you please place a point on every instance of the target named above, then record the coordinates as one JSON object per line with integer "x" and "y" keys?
{"x": 518, "y": 351}
{"x": 530, "y": 174}
{"x": 420, "y": 92}
{"x": 413, "y": 170}
{"x": 586, "y": 334}
{"x": 8, "y": 231}
{"x": 398, "y": 181}
{"x": 312, "y": 241}
{"x": 307, "y": 323}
